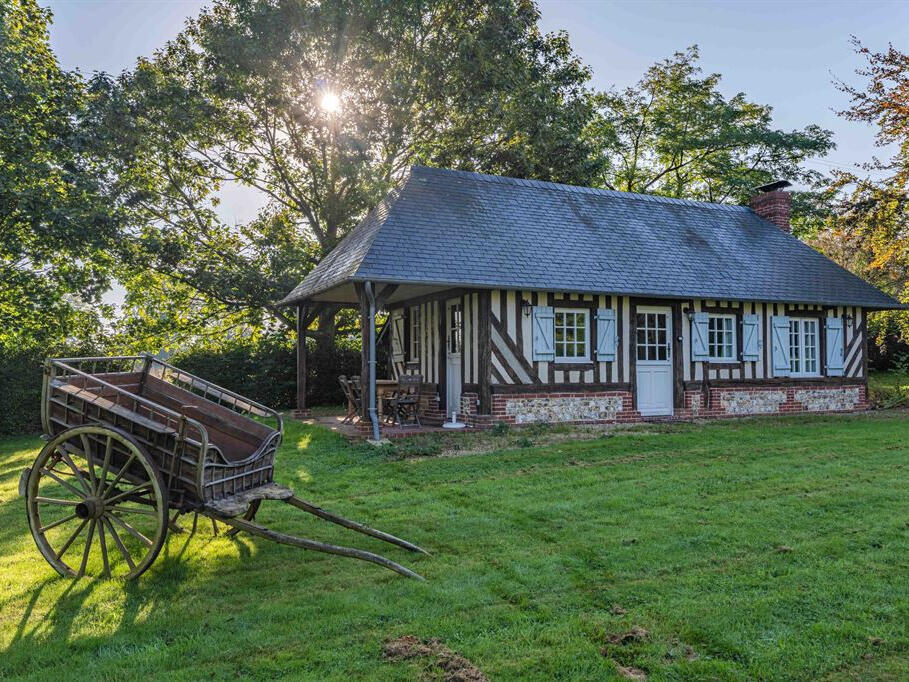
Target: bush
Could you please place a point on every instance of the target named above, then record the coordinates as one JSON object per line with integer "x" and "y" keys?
{"x": 888, "y": 396}
{"x": 20, "y": 390}
{"x": 266, "y": 371}
{"x": 21, "y": 375}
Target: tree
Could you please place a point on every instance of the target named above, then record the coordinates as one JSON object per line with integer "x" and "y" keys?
{"x": 54, "y": 222}
{"x": 320, "y": 107}
{"x": 675, "y": 134}
{"x": 868, "y": 230}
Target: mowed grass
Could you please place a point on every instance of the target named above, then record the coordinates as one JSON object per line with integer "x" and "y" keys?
{"x": 760, "y": 549}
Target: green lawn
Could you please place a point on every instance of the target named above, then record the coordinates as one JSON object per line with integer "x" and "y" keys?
{"x": 761, "y": 549}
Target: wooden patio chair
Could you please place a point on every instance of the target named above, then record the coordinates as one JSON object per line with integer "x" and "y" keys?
{"x": 403, "y": 407}
{"x": 351, "y": 392}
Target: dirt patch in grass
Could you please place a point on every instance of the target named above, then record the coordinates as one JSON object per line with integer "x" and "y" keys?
{"x": 635, "y": 634}
{"x": 631, "y": 673}
{"x": 454, "y": 667}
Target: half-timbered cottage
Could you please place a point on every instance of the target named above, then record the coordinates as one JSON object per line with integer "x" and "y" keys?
{"x": 524, "y": 301}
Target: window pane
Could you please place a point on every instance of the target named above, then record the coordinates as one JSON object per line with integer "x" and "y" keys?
{"x": 570, "y": 334}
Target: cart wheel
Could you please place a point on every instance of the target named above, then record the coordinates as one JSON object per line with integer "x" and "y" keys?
{"x": 248, "y": 515}
{"x": 97, "y": 505}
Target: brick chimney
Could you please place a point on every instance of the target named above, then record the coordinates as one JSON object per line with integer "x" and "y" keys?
{"x": 773, "y": 204}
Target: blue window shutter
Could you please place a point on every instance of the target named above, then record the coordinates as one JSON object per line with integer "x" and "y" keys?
{"x": 834, "y": 346}
{"x": 699, "y": 324}
{"x": 606, "y": 336}
{"x": 751, "y": 337}
{"x": 779, "y": 329}
{"x": 543, "y": 332}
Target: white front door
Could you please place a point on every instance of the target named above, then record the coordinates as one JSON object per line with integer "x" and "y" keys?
{"x": 653, "y": 361}
{"x": 454, "y": 341}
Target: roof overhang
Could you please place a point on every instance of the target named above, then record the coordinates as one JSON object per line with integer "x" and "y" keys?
{"x": 393, "y": 292}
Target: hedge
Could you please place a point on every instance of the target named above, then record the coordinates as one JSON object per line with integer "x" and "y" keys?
{"x": 266, "y": 371}
{"x": 20, "y": 390}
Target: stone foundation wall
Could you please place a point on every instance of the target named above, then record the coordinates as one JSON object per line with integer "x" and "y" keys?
{"x": 575, "y": 408}
{"x": 616, "y": 406}
{"x": 769, "y": 399}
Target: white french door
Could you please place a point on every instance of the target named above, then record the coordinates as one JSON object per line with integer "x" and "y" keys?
{"x": 653, "y": 361}
{"x": 454, "y": 338}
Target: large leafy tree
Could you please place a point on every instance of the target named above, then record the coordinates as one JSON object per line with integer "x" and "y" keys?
{"x": 54, "y": 223}
{"x": 319, "y": 107}
{"x": 868, "y": 229}
{"x": 675, "y": 134}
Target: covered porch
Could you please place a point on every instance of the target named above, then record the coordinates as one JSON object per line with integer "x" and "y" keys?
{"x": 427, "y": 352}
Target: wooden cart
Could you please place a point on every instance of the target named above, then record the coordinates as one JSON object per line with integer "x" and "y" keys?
{"x": 131, "y": 439}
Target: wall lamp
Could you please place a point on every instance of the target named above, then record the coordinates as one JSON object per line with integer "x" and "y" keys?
{"x": 525, "y": 307}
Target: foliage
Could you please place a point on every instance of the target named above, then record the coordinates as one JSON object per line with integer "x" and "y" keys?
{"x": 54, "y": 222}
{"x": 20, "y": 399}
{"x": 21, "y": 378}
{"x": 235, "y": 99}
{"x": 682, "y": 527}
{"x": 675, "y": 134}
{"x": 868, "y": 230}
{"x": 890, "y": 389}
{"x": 264, "y": 369}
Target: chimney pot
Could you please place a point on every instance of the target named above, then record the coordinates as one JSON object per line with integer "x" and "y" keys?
{"x": 774, "y": 204}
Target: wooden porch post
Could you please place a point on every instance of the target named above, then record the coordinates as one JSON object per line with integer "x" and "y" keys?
{"x": 301, "y": 360}
{"x": 364, "y": 352}
{"x": 484, "y": 348}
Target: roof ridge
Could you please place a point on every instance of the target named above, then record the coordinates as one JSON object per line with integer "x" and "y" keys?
{"x": 575, "y": 189}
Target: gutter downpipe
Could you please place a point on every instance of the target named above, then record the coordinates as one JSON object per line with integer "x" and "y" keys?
{"x": 370, "y": 295}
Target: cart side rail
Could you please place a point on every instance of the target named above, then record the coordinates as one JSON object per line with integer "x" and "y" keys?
{"x": 212, "y": 392}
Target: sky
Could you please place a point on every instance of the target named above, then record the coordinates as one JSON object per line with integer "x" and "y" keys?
{"x": 785, "y": 54}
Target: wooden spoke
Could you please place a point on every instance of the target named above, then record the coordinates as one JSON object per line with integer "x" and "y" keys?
{"x": 133, "y": 510}
{"x": 72, "y": 537}
{"x": 88, "y": 547}
{"x": 58, "y": 522}
{"x": 108, "y": 448}
{"x": 103, "y": 543}
{"x": 129, "y": 529}
{"x": 71, "y": 488}
{"x": 87, "y": 449}
{"x": 118, "y": 476}
{"x": 54, "y": 500}
{"x": 131, "y": 491}
{"x": 76, "y": 473}
{"x": 119, "y": 543}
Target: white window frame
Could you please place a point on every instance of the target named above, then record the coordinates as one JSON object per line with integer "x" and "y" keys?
{"x": 733, "y": 325}
{"x": 555, "y": 343}
{"x": 416, "y": 331}
{"x": 799, "y": 356}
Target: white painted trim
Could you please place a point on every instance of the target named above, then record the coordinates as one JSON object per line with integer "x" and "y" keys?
{"x": 578, "y": 360}
{"x": 735, "y": 338}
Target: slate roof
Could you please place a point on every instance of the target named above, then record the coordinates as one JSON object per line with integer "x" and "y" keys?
{"x": 455, "y": 228}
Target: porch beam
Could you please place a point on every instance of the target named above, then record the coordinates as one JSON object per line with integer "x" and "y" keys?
{"x": 382, "y": 296}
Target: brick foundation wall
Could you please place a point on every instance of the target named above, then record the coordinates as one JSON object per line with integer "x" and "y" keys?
{"x": 611, "y": 407}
